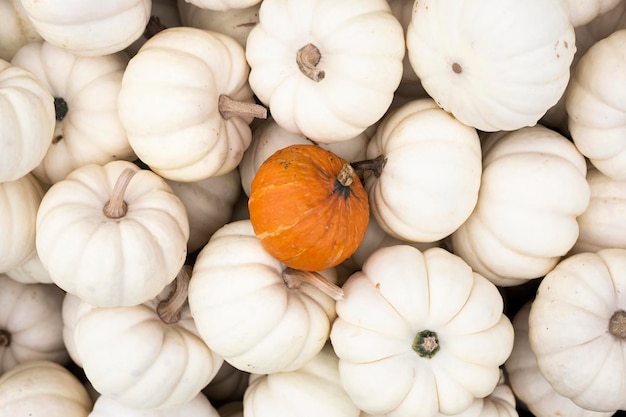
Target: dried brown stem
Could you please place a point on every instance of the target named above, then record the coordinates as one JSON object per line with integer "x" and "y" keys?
{"x": 116, "y": 207}
{"x": 307, "y": 59}
{"x": 294, "y": 278}
{"x": 232, "y": 108}
{"x": 169, "y": 309}
{"x": 375, "y": 166}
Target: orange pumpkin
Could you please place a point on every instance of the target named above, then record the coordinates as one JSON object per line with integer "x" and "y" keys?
{"x": 308, "y": 207}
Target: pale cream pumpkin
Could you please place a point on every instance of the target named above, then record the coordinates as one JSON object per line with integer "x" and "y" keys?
{"x": 312, "y": 390}
{"x": 428, "y": 185}
{"x": 234, "y": 22}
{"x": 489, "y": 69}
{"x": 16, "y": 30}
{"x": 112, "y": 234}
{"x": 72, "y": 309}
{"x": 30, "y": 271}
{"x": 209, "y": 204}
{"x": 577, "y": 329}
{"x": 594, "y": 103}
{"x": 112, "y": 25}
{"x": 145, "y": 356}
{"x": 529, "y": 386}
{"x": 532, "y": 189}
{"x": 326, "y": 68}
{"x": 251, "y": 309}
{"x": 19, "y": 203}
{"x": 85, "y": 89}
{"x": 30, "y": 323}
{"x": 42, "y": 389}
{"x": 582, "y": 12}
{"x": 422, "y": 331}
{"x": 199, "y": 406}
{"x": 27, "y": 109}
{"x": 180, "y": 120}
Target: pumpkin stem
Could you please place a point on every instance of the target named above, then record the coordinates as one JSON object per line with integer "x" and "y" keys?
{"x": 426, "y": 344}
{"x": 617, "y": 324}
{"x": 169, "y": 309}
{"x": 60, "y": 108}
{"x": 307, "y": 59}
{"x": 294, "y": 278}
{"x": 116, "y": 207}
{"x": 346, "y": 175}
{"x": 153, "y": 27}
{"x": 230, "y": 108}
{"x": 375, "y": 166}
{"x": 5, "y": 338}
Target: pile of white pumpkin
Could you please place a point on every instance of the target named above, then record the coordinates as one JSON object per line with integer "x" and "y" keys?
{"x": 131, "y": 281}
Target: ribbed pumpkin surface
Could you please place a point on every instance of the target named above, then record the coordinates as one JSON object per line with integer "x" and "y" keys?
{"x": 302, "y": 213}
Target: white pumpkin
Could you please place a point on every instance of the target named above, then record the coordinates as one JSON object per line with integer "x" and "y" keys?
{"x": 27, "y": 109}
{"x": 529, "y": 386}
{"x": 19, "y": 203}
{"x": 112, "y": 25}
{"x": 42, "y": 389}
{"x": 489, "y": 69}
{"x": 143, "y": 356}
{"x": 112, "y": 234}
{"x": 199, "y": 406}
{"x": 602, "y": 223}
{"x": 251, "y": 309}
{"x": 72, "y": 309}
{"x": 312, "y": 390}
{"x": 532, "y": 189}
{"x": 85, "y": 90}
{"x": 422, "y": 331}
{"x": 30, "y": 323}
{"x": 428, "y": 185}
{"x": 178, "y": 119}
{"x": 268, "y": 137}
{"x": 577, "y": 329}
{"x": 326, "y": 68}
{"x": 234, "y": 22}
{"x": 16, "y": 30}
{"x": 30, "y": 271}
{"x": 596, "y": 114}
{"x": 582, "y": 12}
{"x": 209, "y": 204}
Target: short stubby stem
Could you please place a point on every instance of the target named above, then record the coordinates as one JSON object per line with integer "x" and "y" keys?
{"x": 426, "y": 344}
{"x": 116, "y": 207}
{"x": 5, "y": 338}
{"x": 232, "y": 108}
{"x": 307, "y": 58}
{"x": 60, "y": 108}
{"x": 294, "y": 278}
{"x": 170, "y": 308}
{"x": 617, "y": 324}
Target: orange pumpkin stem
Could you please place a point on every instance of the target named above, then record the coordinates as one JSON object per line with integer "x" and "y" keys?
{"x": 307, "y": 59}
{"x": 232, "y": 108}
{"x": 294, "y": 278}
{"x": 375, "y": 166}
{"x": 346, "y": 175}
{"x": 169, "y": 309}
{"x": 116, "y": 207}
{"x": 617, "y": 324}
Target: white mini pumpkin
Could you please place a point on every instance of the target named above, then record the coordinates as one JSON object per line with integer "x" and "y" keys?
{"x": 177, "y": 119}
{"x": 577, "y": 329}
{"x": 16, "y": 30}
{"x": 30, "y": 323}
{"x": 42, "y": 389}
{"x": 326, "y": 68}
{"x": 428, "y": 185}
{"x": 112, "y": 234}
{"x": 112, "y": 25}
{"x": 489, "y": 69}
{"x": 199, "y": 406}
{"x": 30, "y": 271}
{"x": 422, "y": 331}
{"x": 85, "y": 89}
{"x": 251, "y": 309}
{"x": 532, "y": 189}
{"x": 27, "y": 110}
{"x": 594, "y": 102}
{"x": 145, "y": 356}
{"x": 582, "y": 12}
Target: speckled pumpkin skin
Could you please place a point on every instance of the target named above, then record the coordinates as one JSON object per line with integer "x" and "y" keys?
{"x": 302, "y": 214}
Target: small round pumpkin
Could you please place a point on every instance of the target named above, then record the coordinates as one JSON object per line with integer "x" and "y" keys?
{"x": 308, "y": 207}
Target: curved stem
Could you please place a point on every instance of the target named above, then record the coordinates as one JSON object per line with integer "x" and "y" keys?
{"x": 231, "y": 108}
{"x": 375, "y": 166}
{"x": 169, "y": 309}
{"x": 5, "y": 338}
{"x": 307, "y": 59}
{"x": 116, "y": 207}
{"x": 294, "y": 278}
